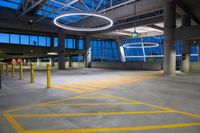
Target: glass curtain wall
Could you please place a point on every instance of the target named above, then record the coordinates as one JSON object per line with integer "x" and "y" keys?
{"x": 104, "y": 51}
{"x": 155, "y": 54}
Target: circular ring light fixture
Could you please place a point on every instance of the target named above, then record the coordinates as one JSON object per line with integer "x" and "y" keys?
{"x": 135, "y": 45}
{"x": 56, "y": 21}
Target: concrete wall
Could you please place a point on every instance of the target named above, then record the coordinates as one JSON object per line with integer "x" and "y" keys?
{"x": 128, "y": 65}
{"x": 195, "y": 66}
{"x": 74, "y": 64}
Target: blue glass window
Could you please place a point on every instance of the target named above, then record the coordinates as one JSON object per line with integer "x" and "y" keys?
{"x": 81, "y": 44}
{"x": 24, "y": 39}
{"x": 34, "y": 40}
{"x": 42, "y": 41}
{"x": 48, "y": 44}
{"x": 55, "y": 42}
{"x": 14, "y": 38}
{"x": 4, "y": 38}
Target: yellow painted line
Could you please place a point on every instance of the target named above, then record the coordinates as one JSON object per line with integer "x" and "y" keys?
{"x": 68, "y": 89}
{"x": 44, "y": 103}
{"x": 93, "y": 114}
{"x": 117, "y": 129}
{"x": 79, "y": 87}
{"x": 150, "y": 105}
{"x": 92, "y": 104}
{"x": 189, "y": 114}
{"x": 14, "y": 123}
{"x": 155, "y": 106}
{"x": 99, "y": 97}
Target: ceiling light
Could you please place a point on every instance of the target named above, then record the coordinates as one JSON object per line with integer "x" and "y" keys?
{"x": 56, "y": 21}
{"x": 135, "y": 45}
{"x": 52, "y": 53}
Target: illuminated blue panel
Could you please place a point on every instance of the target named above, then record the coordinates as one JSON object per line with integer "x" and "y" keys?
{"x": 4, "y": 38}
{"x": 42, "y": 41}
{"x": 81, "y": 44}
{"x": 55, "y": 42}
{"x": 24, "y": 40}
{"x": 13, "y": 4}
{"x": 14, "y": 38}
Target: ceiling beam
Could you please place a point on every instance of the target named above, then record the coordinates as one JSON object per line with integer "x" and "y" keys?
{"x": 30, "y": 8}
{"x": 62, "y": 7}
{"x": 187, "y": 11}
{"x": 156, "y": 27}
{"x": 37, "y": 8}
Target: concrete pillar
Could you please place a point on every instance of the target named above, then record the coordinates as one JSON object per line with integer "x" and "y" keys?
{"x": 169, "y": 36}
{"x": 51, "y": 41}
{"x": 199, "y": 52}
{"x": 185, "y": 64}
{"x": 70, "y": 60}
{"x": 121, "y": 50}
{"x": 51, "y": 61}
{"x": 29, "y": 62}
{"x": 61, "y": 51}
{"x": 38, "y": 61}
{"x": 87, "y": 52}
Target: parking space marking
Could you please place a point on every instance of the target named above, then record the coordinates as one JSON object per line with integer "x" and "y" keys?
{"x": 117, "y": 129}
{"x": 93, "y": 104}
{"x": 93, "y": 114}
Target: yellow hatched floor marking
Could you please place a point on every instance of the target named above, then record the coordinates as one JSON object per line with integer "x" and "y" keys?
{"x": 81, "y": 87}
{"x": 92, "y": 114}
{"x": 68, "y": 89}
{"x": 156, "y": 106}
{"x": 117, "y": 129}
{"x": 14, "y": 123}
{"x": 45, "y": 103}
{"x": 93, "y": 104}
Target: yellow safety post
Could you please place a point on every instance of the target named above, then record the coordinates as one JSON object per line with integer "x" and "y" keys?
{"x": 32, "y": 73}
{"x": 13, "y": 70}
{"x": 20, "y": 72}
{"x": 6, "y": 69}
{"x": 48, "y": 76}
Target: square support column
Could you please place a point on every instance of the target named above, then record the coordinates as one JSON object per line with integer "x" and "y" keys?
{"x": 87, "y": 52}
{"x": 61, "y": 51}
{"x": 121, "y": 49}
{"x": 169, "y": 35}
{"x": 185, "y": 64}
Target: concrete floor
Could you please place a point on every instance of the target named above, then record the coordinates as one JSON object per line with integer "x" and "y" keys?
{"x": 100, "y": 100}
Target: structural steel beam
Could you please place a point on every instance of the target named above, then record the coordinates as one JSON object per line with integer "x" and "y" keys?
{"x": 30, "y": 8}
{"x": 65, "y": 5}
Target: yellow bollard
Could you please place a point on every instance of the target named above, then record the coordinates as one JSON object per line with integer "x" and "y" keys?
{"x": 6, "y": 69}
{"x": 20, "y": 71}
{"x": 32, "y": 73}
{"x": 13, "y": 71}
{"x": 48, "y": 76}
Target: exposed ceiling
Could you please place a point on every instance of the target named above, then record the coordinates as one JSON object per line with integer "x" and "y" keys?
{"x": 149, "y": 14}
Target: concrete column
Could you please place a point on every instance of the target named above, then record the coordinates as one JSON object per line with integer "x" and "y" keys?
{"x": 169, "y": 36}
{"x": 70, "y": 60}
{"x": 121, "y": 50}
{"x": 185, "y": 64}
{"x": 61, "y": 51}
{"x": 38, "y": 61}
{"x": 199, "y": 52}
{"x": 52, "y": 63}
{"x": 87, "y": 51}
{"x": 29, "y": 62}
{"x": 51, "y": 41}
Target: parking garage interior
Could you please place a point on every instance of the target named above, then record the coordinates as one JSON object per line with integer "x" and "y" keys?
{"x": 99, "y": 66}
